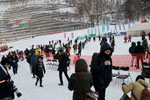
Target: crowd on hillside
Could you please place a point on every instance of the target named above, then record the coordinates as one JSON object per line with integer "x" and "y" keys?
{"x": 99, "y": 76}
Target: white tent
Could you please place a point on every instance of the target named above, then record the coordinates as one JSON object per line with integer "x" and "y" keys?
{"x": 139, "y": 28}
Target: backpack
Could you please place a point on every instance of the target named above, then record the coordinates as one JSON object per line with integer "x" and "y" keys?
{"x": 145, "y": 94}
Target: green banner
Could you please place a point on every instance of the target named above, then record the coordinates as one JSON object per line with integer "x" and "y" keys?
{"x": 80, "y": 37}
{"x": 21, "y": 25}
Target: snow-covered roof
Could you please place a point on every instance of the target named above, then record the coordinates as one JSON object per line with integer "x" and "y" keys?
{"x": 140, "y": 27}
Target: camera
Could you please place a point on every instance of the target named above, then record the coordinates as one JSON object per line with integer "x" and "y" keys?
{"x": 14, "y": 88}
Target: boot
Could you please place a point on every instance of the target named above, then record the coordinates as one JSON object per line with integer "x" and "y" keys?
{"x": 60, "y": 84}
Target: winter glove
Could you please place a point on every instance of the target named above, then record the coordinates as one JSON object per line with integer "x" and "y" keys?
{"x": 8, "y": 84}
{"x": 123, "y": 83}
{"x": 19, "y": 94}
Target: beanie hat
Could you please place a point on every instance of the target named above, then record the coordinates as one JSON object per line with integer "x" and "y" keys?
{"x": 5, "y": 61}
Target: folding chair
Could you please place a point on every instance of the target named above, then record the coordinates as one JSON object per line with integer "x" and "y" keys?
{"x": 49, "y": 63}
{"x": 146, "y": 70}
{"x": 54, "y": 64}
{"x": 122, "y": 76}
{"x": 117, "y": 69}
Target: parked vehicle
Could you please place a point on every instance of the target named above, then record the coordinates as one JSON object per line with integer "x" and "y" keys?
{"x": 3, "y": 48}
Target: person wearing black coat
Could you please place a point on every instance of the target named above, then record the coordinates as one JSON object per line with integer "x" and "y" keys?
{"x": 132, "y": 52}
{"x": 6, "y": 85}
{"x": 79, "y": 48}
{"x": 63, "y": 64}
{"x": 104, "y": 40}
{"x": 101, "y": 69}
{"x": 139, "y": 51}
{"x": 149, "y": 35}
{"x": 14, "y": 63}
{"x": 80, "y": 81}
{"x": 39, "y": 70}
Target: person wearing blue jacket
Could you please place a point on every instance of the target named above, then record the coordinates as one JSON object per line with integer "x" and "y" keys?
{"x": 14, "y": 63}
{"x": 33, "y": 62}
{"x": 101, "y": 70}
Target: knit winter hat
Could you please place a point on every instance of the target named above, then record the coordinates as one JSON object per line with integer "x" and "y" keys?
{"x": 5, "y": 61}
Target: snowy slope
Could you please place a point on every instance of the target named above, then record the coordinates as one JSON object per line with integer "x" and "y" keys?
{"x": 51, "y": 90}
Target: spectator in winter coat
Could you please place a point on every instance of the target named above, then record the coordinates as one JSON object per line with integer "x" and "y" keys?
{"x": 79, "y": 48}
{"x": 104, "y": 40}
{"x": 129, "y": 38}
{"x": 145, "y": 45}
{"x": 112, "y": 43}
{"x": 132, "y": 52}
{"x": 101, "y": 69}
{"x": 139, "y": 51}
{"x": 39, "y": 70}
{"x": 6, "y": 84}
{"x": 99, "y": 37}
{"x": 53, "y": 52}
{"x": 80, "y": 81}
{"x": 136, "y": 88}
{"x": 33, "y": 62}
{"x": 47, "y": 52}
{"x": 125, "y": 39}
{"x": 75, "y": 48}
{"x": 143, "y": 35}
{"x": 14, "y": 63}
{"x": 149, "y": 35}
{"x": 63, "y": 64}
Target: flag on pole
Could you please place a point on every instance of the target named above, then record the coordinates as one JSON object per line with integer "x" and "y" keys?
{"x": 78, "y": 27}
{"x": 64, "y": 35}
{"x": 72, "y": 35}
{"x": 81, "y": 26}
{"x": 88, "y": 31}
{"x": 103, "y": 27}
{"x": 98, "y": 30}
{"x": 115, "y": 28}
{"x": 108, "y": 26}
{"x": 124, "y": 27}
{"x": 87, "y": 25}
{"x": 128, "y": 23}
{"x": 91, "y": 30}
{"x": 119, "y": 25}
{"x": 95, "y": 30}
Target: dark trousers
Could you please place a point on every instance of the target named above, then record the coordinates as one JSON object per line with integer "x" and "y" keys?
{"x": 101, "y": 94}
{"x": 125, "y": 41}
{"x": 37, "y": 80}
{"x": 129, "y": 40}
{"x": 60, "y": 76}
{"x": 79, "y": 53}
{"x": 15, "y": 70}
{"x": 33, "y": 71}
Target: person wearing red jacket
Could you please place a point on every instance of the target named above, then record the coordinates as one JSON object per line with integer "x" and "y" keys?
{"x": 129, "y": 38}
{"x": 125, "y": 39}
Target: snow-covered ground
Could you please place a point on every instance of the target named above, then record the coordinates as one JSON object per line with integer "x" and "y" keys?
{"x": 51, "y": 90}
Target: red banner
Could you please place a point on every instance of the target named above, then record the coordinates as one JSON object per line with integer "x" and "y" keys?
{"x": 56, "y": 32}
{"x": 17, "y": 22}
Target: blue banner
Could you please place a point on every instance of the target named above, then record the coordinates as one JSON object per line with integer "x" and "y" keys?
{"x": 8, "y": 26}
{"x": 108, "y": 26}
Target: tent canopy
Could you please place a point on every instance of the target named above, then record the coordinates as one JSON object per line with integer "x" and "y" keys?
{"x": 138, "y": 28}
